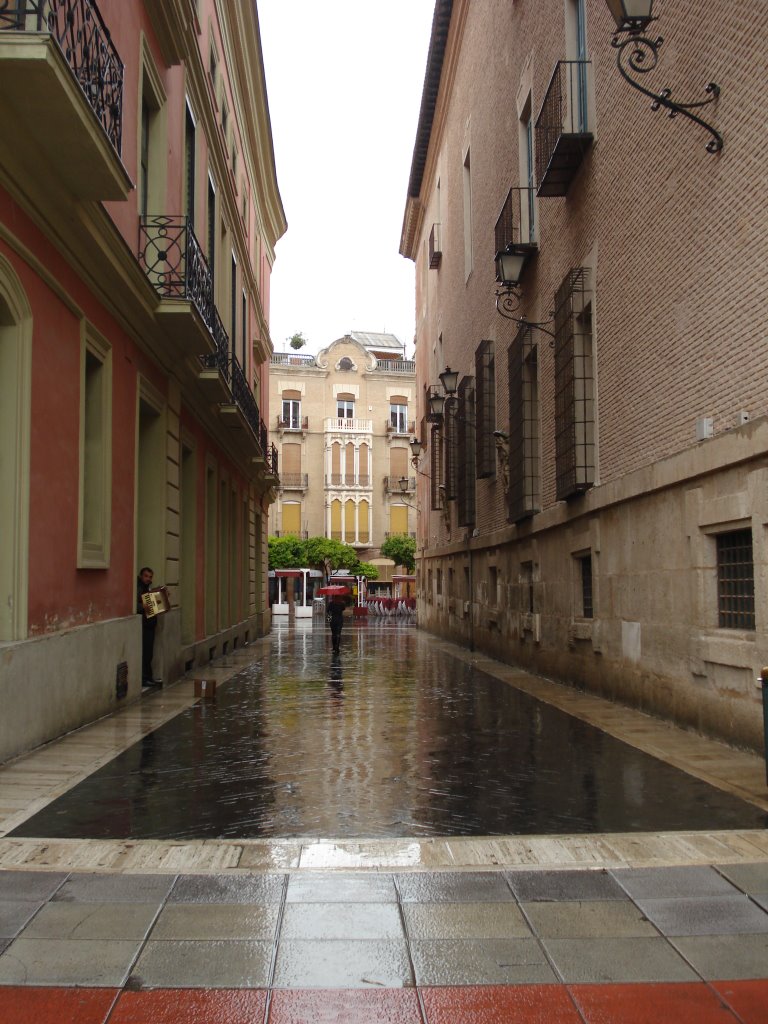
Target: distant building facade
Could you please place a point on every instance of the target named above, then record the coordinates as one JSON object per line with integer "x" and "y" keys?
{"x": 139, "y": 211}
{"x": 596, "y": 493}
{"x": 341, "y": 422}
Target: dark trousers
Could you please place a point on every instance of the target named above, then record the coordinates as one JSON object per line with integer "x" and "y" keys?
{"x": 336, "y": 636}
{"x": 148, "y": 627}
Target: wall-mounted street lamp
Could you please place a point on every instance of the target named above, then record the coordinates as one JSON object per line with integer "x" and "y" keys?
{"x": 638, "y": 54}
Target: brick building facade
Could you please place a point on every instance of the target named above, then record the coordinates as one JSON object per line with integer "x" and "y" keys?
{"x": 613, "y": 533}
{"x": 139, "y": 211}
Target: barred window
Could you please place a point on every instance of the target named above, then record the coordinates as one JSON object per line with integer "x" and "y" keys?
{"x": 466, "y": 444}
{"x": 735, "y": 580}
{"x": 436, "y": 469}
{"x": 574, "y": 386}
{"x": 524, "y": 485}
{"x": 485, "y": 401}
{"x": 452, "y": 452}
{"x": 585, "y": 585}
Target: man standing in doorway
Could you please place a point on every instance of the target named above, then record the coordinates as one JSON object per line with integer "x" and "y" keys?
{"x": 148, "y": 627}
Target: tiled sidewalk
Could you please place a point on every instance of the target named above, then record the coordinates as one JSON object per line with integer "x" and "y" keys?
{"x": 551, "y": 947}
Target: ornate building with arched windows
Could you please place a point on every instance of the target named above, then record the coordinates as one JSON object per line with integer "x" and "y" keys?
{"x": 341, "y": 423}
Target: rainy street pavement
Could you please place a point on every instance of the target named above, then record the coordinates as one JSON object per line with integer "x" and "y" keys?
{"x": 404, "y": 834}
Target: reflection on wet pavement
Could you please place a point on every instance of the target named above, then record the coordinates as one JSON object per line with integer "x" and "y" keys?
{"x": 394, "y": 737}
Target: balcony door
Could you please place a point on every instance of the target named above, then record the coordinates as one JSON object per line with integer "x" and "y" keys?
{"x": 579, "y": 80}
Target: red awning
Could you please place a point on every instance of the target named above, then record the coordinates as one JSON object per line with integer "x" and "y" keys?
{"x": 293, "y": 574}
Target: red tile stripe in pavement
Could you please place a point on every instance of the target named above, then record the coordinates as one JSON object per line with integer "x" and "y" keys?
{"x": 722, "y": 1002}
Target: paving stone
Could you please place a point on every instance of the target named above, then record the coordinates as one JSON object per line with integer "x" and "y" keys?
{"x": 202, "y": 964}
{"x": 623, "y": 960}
{"x": 67, "y": 962}
{"x": 97, "y": 888}
{"x": 596, "y": 919}
{"x": 480, "y": 962}
{"x": 92, "y": 921}
{"x": 14, "y": 915}
{"x": 217, "y": 921}
{"x": 27, "y": 886}
{"x": 720, "y": 916}
{"x": 750, "y": 878}
{"x": 318, "y": 887}
{"x": 676, "y": 882}
{"x": 49, "y": 1005}
{"x": 342, "y": 921}
{"x": 192, "y": 1006}
{"x": 453, "y": 887}
{"x": 228, "y": 889}
{"x": 679, "y": 1003}
{"x": 342, "y": 964}
{"x": 724, "y": 956}
{"x": 748, "y": 999}
{"x": 564, "y": 885}
{"x": 465, "y": 921}
{"x": 500, "y": 1004}
{"x": 345, "y": 1006}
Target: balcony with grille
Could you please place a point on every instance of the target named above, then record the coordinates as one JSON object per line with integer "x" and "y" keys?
{"x": 515, "y": 230}
{"x": 294, "y": 481}
{"x": 242, "y": 413}
{"x": 393, "y": 485}
{"x": 171, "y": 257}
{"x": 400, "y": 429}
{"x": 563, "y": 132}
{"x": 295, "y": 426}
{"x": 435, "y": 247}
{"x": 61, "y": 93}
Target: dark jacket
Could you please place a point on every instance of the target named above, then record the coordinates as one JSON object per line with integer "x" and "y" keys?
{"x": 336, "y": 615}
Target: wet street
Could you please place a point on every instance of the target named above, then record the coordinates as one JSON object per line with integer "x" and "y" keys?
{"x": 396, "y": 737}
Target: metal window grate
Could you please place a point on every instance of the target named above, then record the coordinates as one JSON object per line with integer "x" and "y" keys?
{"x": 523, "y": 498}
{"x": 436, "y": 469}
{"x": 466, "y": 470}
{"x": 585, "y": 564}
{"x": 451, "y": 443}
{"x": 574, "y": 386}
{"x": 735, "y": 580}
{"x": 485, "y": 401}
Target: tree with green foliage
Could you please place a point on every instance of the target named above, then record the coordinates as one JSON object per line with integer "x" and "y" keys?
{"x": 287, "y": 552}
{"x": 366, "y": 569}
{"x": 297, "y": 341}
{"x": 401, "y": 549}
{"x": 327, "y": 554}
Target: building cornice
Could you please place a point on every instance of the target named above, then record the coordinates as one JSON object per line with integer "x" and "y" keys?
{"x": 444, "y": 48}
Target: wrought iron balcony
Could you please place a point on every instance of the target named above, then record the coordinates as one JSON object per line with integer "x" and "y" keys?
{"x": 216, "y": 371}
{"x": 403, "y": 428}
{"x": 272, "y": 457}
{"x": 392, "y": 484}
{"x": 294, "y": 481}
{"x": 173, "y": 261}
{"x": 245, "y": 411}
{"x": 435, "y": 247}
{"x": 61, "y": 75}
{"x": 297, "y": 424}
{"x": 516, "y": 226}
{"x": 562, "y": 127}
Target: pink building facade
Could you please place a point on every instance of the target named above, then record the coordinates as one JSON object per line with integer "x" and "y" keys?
{"x": 595, "y": 493}
{"x": 139, "y": 211}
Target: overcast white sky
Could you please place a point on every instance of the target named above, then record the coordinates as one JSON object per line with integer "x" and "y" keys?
{"x": 344, "y": 79}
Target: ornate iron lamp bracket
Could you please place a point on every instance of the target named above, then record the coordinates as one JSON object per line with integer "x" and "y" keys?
{"x": 638, "y": 54}
{"x": 508, "y": 302}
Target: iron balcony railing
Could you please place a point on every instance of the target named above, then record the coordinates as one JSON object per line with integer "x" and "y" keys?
{"x": 220, "y": 359}
{"x": 300, "y": 423}
{"x": 404, "y": 427}
{"x": 516, "y": 225}
{"x": 392, "y": 484}
{"x": 245, "y": 401}
{"x": 294, "y": 481}
{"x": 562, "y": 128}
{"x": 291, "y": 359}
{"x": 173, "y": 261}
{"x": 272, "y": 457}
{"x": 435, "y": 247}
{"x": 84, "y": 39}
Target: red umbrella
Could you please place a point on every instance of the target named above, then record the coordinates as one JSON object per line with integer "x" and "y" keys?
{"x": 333, "y": 591}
